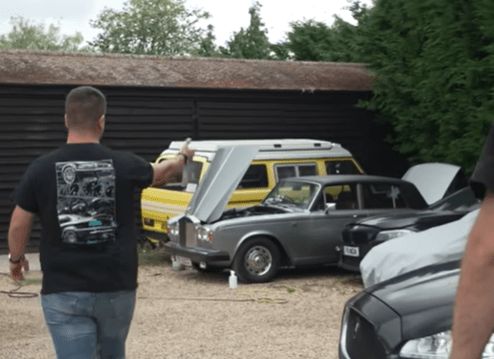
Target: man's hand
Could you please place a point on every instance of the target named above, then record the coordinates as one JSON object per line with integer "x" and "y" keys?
{"x": 185, "y": 150}
{"x": 19, "y": 232}
{"x": 16, "y": 269}
{"x": 166, "y": 170}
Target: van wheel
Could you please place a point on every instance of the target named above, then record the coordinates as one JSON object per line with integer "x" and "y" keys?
{"x": 257, "y": 261}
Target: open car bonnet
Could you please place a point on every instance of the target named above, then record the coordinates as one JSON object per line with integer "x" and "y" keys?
{"x": 220, "y": 181}
{"x": 432, "y": 179}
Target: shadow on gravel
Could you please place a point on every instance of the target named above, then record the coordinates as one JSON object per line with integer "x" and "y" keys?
{"x": 330, "y": 272}
{"x": 284, "y": 275}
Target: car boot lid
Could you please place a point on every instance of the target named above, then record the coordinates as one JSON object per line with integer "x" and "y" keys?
{"x": 432, "y": 179}
{"x": 403, "y": 220}
{"x": 220, "y": 181}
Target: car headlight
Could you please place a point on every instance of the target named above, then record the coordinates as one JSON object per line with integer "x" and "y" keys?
{"x": 173, "y": 229}
{"x": 437, "y": 346}
{"x": 204, "y": 234}
{"x": 392, "y": 234}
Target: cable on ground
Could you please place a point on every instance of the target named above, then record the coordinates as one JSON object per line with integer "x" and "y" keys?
{"x": 258, "y": 300}
{"x": 14, "y": 293}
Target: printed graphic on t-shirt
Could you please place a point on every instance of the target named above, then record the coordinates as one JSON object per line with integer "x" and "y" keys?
{"x": 86, "y": 201}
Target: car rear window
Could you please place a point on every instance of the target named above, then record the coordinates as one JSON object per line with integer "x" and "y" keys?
{"x": 379, "y": 195}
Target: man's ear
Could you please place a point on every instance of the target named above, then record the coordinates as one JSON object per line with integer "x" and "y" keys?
{"x": 101, "y": 123}
{"x": 65, "y": 120}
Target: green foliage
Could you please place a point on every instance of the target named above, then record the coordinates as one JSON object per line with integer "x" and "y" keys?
{"x": 150, "y": 27}
{"x": 252, "y": 42}
{"x": 207, "y": 47}
{"x": 309, "y": 40}
{"x": 28, "y": 36}
{"x": 434, "y": 64}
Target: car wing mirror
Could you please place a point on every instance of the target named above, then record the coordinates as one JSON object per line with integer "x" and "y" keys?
{"x": 330, "y": 207}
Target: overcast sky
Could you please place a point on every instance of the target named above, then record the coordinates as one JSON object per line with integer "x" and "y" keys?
{"x": 227, "y": 15}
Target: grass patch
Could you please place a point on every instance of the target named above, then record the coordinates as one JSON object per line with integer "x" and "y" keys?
{"x": 29, "y": 281}
{"x": 149, "y": 256}
{"x": 352, "y": 279}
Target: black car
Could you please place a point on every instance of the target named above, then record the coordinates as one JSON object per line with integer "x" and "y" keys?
{"x": 361, "y": 236}
{"x": 408, "y": 316}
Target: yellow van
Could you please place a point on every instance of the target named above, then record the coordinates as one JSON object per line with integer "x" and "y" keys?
{"x": 275, "y": 160}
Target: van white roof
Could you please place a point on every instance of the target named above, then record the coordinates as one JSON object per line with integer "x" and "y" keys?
{"x": 268, "y": 149}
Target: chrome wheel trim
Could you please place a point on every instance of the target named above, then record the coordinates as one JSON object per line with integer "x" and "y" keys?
{"x": 258, "y": 260}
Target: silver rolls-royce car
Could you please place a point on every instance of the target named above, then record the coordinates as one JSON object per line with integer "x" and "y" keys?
{"x": 299, "y": 223}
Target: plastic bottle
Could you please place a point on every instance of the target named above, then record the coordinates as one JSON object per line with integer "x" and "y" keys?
{"x": 232, "y": 280}
{"x": 176, "y": 266}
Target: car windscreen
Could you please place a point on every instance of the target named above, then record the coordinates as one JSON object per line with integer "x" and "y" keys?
{"x": 292, "y": 194}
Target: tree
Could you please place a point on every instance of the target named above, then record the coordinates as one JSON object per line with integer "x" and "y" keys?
{"x": 309, "y": 40}
{"x": 150, "y": 27}
{"x": 207, "y": 47}
{"x": 433, "y": 61}
{"x": 252, "y": 42}
{"x": 30, "y": 36}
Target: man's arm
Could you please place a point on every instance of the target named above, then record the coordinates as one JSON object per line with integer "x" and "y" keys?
{"x": 164, "y": 170}
{"x": 473, "y": 320}
{"x": 21, "y": 224}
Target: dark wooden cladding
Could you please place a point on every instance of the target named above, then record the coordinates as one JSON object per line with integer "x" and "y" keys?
{"x": 145, "y": 121}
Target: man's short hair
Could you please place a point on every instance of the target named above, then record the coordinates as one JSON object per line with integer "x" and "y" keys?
{"x": 83, "y": 107}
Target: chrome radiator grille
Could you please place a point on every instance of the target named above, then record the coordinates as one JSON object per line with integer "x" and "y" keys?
{"x": 188, "y": 233}
{"x": 361, "y": 340}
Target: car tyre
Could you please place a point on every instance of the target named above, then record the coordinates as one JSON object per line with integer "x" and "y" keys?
{"x": 257, "y": 261}
{"x": 69, "y": 236}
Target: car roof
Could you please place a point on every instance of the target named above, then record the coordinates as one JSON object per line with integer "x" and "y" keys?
{"x": 327, "y": 179}
{"x": 413, "y": 196}
{"x": 269, "y": 149}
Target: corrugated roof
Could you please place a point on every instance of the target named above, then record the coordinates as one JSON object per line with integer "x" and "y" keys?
{"x": 53, "y": 68}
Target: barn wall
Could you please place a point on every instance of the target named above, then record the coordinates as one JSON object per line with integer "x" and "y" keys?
{"x": 145, "y": 120}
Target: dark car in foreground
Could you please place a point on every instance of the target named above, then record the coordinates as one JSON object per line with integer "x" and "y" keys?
{"x": 363, "y": 235}
{"x": 408, "y": 316}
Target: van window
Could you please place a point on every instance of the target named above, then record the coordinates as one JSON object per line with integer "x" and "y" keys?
{"x": 255, "y": 177}
{"x": 295, "y": 170}
{"x": 175, "y": 182}
{"x": 382, "y": 196}
{"x": 345, "y": 167}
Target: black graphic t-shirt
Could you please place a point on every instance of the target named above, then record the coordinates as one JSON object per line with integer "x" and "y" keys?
{"x": 84, "y": 196}
{"x": 86, "y": 201}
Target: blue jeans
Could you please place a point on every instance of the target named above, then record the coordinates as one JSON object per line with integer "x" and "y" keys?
{"x": 89, "y": 325}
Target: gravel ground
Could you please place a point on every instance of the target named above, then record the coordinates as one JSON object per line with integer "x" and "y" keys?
{"x": 187, "y": 314}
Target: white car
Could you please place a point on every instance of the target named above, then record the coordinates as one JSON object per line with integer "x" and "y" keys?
{"x": 433, "y": 246}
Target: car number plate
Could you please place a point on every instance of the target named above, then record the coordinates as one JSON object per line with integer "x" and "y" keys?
{"x": 351, "y": 251}
{"x": 183, "y": 260}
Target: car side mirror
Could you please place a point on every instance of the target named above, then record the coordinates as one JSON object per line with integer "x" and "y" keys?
{"x": 330, "y": 207}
